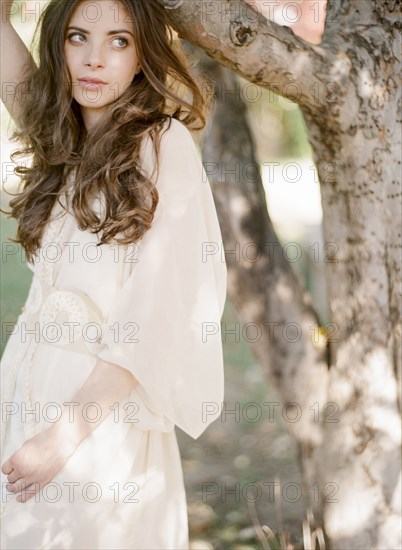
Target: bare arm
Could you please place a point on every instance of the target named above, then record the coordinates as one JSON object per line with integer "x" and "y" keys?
{"x": 14, "y": 58}
{"x": 42, "y": 456}
{"x": 107, "y": 384}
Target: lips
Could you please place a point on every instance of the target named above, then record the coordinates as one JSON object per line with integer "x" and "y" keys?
{"x": 91, "y": 80}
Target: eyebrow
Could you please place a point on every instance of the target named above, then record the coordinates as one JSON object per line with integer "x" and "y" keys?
{"x": 110, "y": 33}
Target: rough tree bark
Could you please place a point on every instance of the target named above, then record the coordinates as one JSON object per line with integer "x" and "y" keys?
{"x": 346, "y": 88}
{"x": 274, "y": 308}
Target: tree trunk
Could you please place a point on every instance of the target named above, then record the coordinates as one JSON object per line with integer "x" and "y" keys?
{"x": 276, "y": 317}
{"x": 346, "y": 88}
{"x": 356, "y": 149}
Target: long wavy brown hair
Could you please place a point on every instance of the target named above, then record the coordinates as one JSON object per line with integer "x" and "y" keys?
{"x": 107, "y": 158}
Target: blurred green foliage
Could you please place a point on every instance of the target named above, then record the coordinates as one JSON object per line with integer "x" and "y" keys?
{"x": 15, "y": 279}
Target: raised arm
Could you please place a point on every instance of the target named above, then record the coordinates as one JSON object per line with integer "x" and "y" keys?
{"x": 14, "y": 57}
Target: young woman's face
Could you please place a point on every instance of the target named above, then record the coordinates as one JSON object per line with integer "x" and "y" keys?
{"x": 100, "y": 45}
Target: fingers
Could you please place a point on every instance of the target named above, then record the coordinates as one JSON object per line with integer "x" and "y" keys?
{"x": 26, "y": 489}
{"x": 18, "y": 486}
{"x": 7, "y": 467}
{"x": 14, "y": 476}
{"x": 29, "y": 492}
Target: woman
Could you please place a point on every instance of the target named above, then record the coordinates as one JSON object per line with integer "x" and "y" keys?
{"x": 119, "y": 339}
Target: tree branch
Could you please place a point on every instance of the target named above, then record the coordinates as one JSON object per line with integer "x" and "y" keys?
{"x": 346, "y": 14}
{"x": 242, "y": 39}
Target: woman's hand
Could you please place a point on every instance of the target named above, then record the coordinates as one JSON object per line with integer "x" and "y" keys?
{"x": 37, "y": 462}
{"x": 41, "y": 457}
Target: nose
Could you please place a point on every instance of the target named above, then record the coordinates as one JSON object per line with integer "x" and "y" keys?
{"x": 94, "y": 57}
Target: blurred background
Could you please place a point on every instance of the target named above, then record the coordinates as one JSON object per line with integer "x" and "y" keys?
{"x": 232, "y": 469}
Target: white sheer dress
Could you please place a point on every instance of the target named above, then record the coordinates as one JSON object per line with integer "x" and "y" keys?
{"x": 154, "y": 309}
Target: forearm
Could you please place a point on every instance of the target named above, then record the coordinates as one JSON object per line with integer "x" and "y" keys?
{"x": 7, "y": 8}
{"x": 15, "y": 60}
{"x": 106, "y": 385}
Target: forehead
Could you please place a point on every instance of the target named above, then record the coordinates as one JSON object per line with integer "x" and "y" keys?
{"x": 101, "y": 14}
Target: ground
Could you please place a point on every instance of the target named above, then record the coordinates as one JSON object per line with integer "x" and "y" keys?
{"x": 231, "y": 469}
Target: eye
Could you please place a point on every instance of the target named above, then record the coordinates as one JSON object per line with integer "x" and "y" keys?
{"x": 123, "y": 44}
{"x": 123, "y": 39}
{"x": 75, "y": 34}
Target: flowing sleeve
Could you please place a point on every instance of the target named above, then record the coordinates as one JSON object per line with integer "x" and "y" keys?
{"x": 175, "y": 295}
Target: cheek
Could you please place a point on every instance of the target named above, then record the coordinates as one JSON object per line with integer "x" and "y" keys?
{"x": 127, "y": 67}
{"x": 73, "y": 58}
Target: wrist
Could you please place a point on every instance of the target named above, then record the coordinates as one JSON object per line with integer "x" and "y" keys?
{"x": 68, "y": 431}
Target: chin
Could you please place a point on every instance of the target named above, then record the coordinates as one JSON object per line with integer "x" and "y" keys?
{"x": 93, "y": 104}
